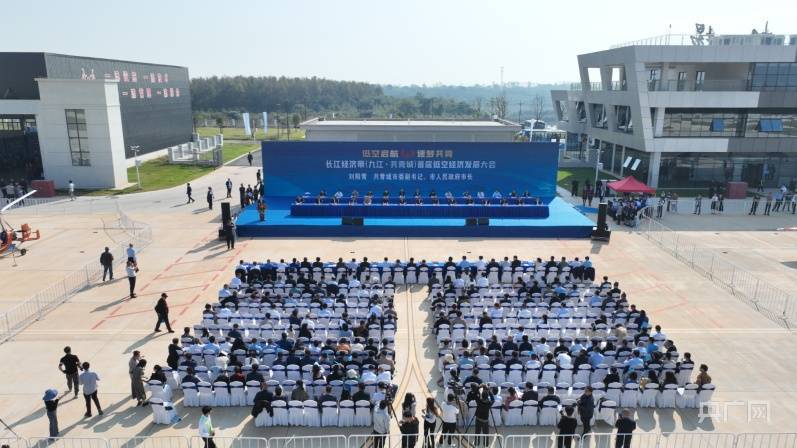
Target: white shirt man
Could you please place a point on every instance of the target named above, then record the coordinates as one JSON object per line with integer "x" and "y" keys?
{"x": 449, "y": 413}
{"x": 482, "y": 282}
{"x": 497, "y": 194}
{"x": 497, "y": 312}
{"x": 235, "y": 283}
{"x": 368, "y": 376}
{"x": 354, "y": 283}
{"x": 459, "y": 283}
{"x": 541, "y": 349}
{"x": 564, "y": 360}
{"x": 480, "y": 264}
{"x": 384, "y": 376}
{"x": 375, "y": 311}
{"x": 225, "y": 292}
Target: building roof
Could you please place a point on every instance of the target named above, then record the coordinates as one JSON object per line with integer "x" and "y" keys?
{"x": 400, "y": 124}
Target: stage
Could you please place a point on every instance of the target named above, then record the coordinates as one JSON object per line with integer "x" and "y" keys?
{"x": 563, "y": 221}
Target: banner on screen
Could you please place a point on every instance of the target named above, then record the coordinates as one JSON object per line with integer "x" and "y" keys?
{"x": 293, "y": 168}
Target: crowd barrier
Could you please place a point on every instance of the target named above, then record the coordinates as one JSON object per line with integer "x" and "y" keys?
{"x": 695, "y": 439}
{"x": 61, "y": 205}
{"x": 772, "y": 302}
{"x": 34, "y": 308}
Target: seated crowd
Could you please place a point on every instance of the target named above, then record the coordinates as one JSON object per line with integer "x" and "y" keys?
{"x": 497, "y": 198}
{"x": 542, "y": 338}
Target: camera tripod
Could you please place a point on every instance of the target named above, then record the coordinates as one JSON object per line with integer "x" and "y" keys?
{"x": 459, "y": 390}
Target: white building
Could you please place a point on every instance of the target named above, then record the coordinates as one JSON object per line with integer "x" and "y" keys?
{"x": 320, "y": 129}
{"x": 688, "y": 111}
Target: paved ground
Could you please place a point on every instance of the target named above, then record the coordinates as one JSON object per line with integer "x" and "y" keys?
{"x": 750, "y": 357}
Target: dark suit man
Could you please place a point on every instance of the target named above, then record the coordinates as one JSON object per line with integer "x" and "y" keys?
{"x": 162, "y": 310}
{"x": 106, "y": 260}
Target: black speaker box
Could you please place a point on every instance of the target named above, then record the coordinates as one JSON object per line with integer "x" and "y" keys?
{"x": 225, "y": 212}
{"x": 471, "y": 222}
{"x": 484, "y": 221}
{"x": 352, "y": 220}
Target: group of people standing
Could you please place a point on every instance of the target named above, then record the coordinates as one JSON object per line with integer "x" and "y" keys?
{"x": 779, "y": 201}
{"x": 589, "y": 192}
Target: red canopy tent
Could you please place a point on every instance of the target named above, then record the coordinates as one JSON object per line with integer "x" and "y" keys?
{"x": 630, "y": 185}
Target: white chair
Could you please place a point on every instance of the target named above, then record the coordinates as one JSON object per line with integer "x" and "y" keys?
{"x": 649, "y": 396}
{"x": 514, "y": 416}
{"x": 499, "y": 374}
{"x": 598, "y": 391}
{"x": 578, "y": 390}
{"x": 607, "y": 410}
{"x": 311, "y": 417}
{"x": 530, "y": 409}
{"x": 583, "y": 374}
{"x": 222, "y": 394}
{"x": 252, "y": 388}
{"x": 190, "y": 395}
{"x": 565, "y": 375}
{"x": 423, "y": 275}
{"x": 548, "y": 414}
{"x": 497, "y": 414}
{"x": 548, "y": 374}
{"x": 684, "y": 374}
{"x": 280, "y": 413}
{"x": 329, "y": 414}
{"x": 411, "y": 276}
{"x": 163, "y": 412}
{"x": 172, "y": 379}
{"x": 614, "y": 391}
{"x": 667, "y": 396}
{"x": 705, "y": 394}
{"x": 237, "y": 396}
{"x": 295, "y": 413}
{"x": 362, "y": 413}
{"x": 688, "y": 399}
{"x": 599, "y": 373}
{"x": 264, "y": 419}
{"x": 515, "y": 374}
{"x": 158, "y": 390}
{"x": 630, "y": 396}
{"x": 206, "y": 397}
{"x": 346, "y": 413}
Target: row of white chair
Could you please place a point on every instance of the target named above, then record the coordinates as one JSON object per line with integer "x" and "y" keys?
{"x": 347, "y": 413}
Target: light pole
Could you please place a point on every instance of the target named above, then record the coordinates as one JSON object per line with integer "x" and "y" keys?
{"x": 135, "y": 155}
{"x": 597, "y": 161}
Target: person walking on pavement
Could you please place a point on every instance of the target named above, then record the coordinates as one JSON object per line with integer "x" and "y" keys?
{"x": 69, "y": 366}
{"x": 229, "y": 234}
{"x": 106, "y": 260}
{"x": 131, "y": 365}
{"x": 698, "y": 204}
{"x": 249, "y": 158}
{"x": 567, "y": 428}
{"x": 768, "y": 204}
{"x": 228, "y": 184}
{"x": 132, "y": 273}
{"x": 188, "y": 192}
{"x": 206, "y": 431}
{"x": 586, "y": 408}
{"x": 71, "y": 190}
{"x": 258, "y": 175}
{"x": 210, "y": 198}
{"x": 89, "y": 381}
{"x": 754, "y": 206}
{"x": 162, "y": 310}
{"x": 137, "y": 376}
{"x": 242, "y": 193}
{"x": 51, "y": 405}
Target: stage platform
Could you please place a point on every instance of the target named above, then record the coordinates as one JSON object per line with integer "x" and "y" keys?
{"x": 564, "y": 221}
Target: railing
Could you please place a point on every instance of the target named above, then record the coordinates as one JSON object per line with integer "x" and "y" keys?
{"x": 772, "y": 302}
{"x": 34, "y": 308}
{"x": 713, "y": 85}
{"x": 694, "y": 439}
{"x": 27, "y": 202}
{"x": 664, "y": 39}
{"x": 61, "y": 205}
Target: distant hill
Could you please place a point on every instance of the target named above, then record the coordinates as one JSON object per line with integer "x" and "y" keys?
{"x": 515, "y": 94}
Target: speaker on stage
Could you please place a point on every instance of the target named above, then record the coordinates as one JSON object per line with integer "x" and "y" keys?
{"x": 471, "y": 222}
{"x": 601, "y": 231}
{"x": 225, "y": 212}
{"x": 484, "y": 221}
{"x": 351, "y": 220}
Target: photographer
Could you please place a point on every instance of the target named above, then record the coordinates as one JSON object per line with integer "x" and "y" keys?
{"x": 449, "y": 411}
{"x": 484, "y": 403}
{"x": 567, "y": 428}
{"x": 381, "y": 424}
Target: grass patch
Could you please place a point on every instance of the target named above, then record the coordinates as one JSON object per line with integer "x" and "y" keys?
{"x": 566, "y": 175}
{"x": 232, "y": 151}
{"x": 238, "y": 133}
{"x": 156, "y": 174}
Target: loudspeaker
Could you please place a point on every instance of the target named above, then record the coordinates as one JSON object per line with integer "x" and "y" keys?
{"x": 471, "y": 221}
{"x": 351, "y": 220}
{"x": 484, "y": 221}
{"x": 225, "y": 212}
{"x": 601, "y": 231}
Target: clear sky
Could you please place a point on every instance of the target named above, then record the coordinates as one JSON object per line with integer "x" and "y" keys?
{"x": 396, "y": 41}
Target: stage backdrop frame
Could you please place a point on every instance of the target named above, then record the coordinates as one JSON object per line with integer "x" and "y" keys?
{"x": 292, "y": 168}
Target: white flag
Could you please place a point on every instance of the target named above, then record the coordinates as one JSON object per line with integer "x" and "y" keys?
{"x": 247, "y": 125}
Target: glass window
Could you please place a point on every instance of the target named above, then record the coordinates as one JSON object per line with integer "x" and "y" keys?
{"x": 78, "y": 137}
{"x": 717, "y": 125}
{"x": 599, "y": 119}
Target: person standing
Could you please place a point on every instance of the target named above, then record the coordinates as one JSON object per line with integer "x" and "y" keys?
{"x": 131, "y": 366}
{"x": 698, "y": 204}
{"x": 449, "y": 413}
{"x": 173, "y": 359}
{"x": 71, "y": 190}
{"x": 574, "y": 188}
{"x": 209, "y": 198}
{"x": 430, "y": 415}
{"x": 106, "y": 260}
{"x": 567, "y": 428}
{"x": 768, "y": 204}
{"x": 132, "y": 273}
{"x": 137, "y": 375}
{"x": 131, "y": 253}
{"x": 660, "y": 206}
{"x": 409, "y": 430}
{"x": 754, "y": 206}
{"x": 89, "y": 381}
{"x": 206, "y": 431}
{"x": 228, "y": 184}
{"x": 586, "y": 409}
{"x": 229, "y": 233}
{"x": 261, "y": 209}
{"x": 188, "y": 192}
{"x": 249, "y": 158}
{"x": 69, "y": 366}
{"x": 381, "y": 424}
{"x": 51, "y": 405}
{"x": 794, "y": 203}
{"x": 242, "y": 194}
{"x": 625, "y": 426}
{"x": 258, "y": 176}
{"x": 721, "y": 204}
{"x": 484, "y": 402}
{"x": 713, "y": 204}
{"x": 162, "y": 310}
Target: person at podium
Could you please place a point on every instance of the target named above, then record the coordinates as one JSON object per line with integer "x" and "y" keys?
{"x": 498, "y": 197}
{"x": 369, "y": 198}
{"x": 480, "y": 196}
{"x": 450, "y": 198}
{"x": 418, "y": 198}
{"x": 402, "y": 197}
{"x": 336, "y": 197}
{"x": 299, "y": 200}
{"x": 468, "y": 198}
{"x": 321, "y": 197}
{"x": 433, "y": 198}
{"x": 353, "y": 199}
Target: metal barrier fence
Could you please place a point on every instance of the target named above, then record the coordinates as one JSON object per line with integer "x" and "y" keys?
{"x": 60, "y": 206}
{"x": 695, "y": 439}
{"x": 772, "y": 302}
{"x": 28, "y": 311}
